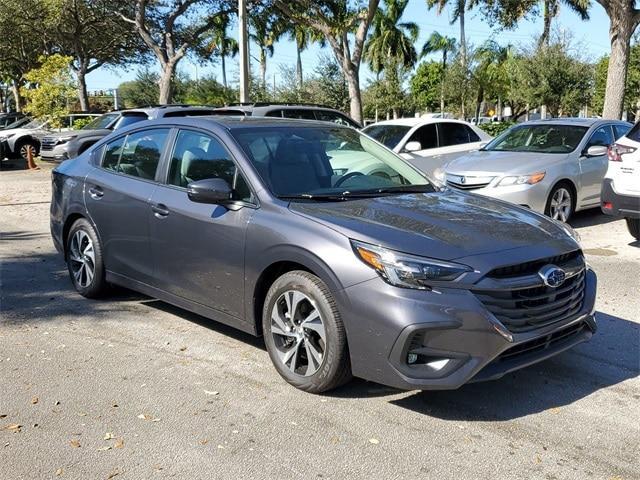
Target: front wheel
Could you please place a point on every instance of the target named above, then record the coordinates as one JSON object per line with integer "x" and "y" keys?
{"x": 304, "y": 333}
{"x": 633, "y": 224}
{"x": 84, "y": 260}
{"x": 26, "y": 148}
{"x": 560, "y": 204}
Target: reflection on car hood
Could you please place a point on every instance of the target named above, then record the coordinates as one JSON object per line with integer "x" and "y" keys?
{"x": 503, "y": 163}
{"x": 448, "y": 224}
{"x": 80, "y": 133}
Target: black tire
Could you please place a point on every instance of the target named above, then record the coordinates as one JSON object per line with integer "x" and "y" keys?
{"x": 550, "y": 210}
{"x": 77, "y": 254}
{"x": 23, "y": 146}
{"x": 335, "y": 367}
{"x": 633, "y": 224}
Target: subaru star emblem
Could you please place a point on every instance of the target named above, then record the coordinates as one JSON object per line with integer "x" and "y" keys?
{"x": 462, "y": 179}
{"x": 552, "y": 276}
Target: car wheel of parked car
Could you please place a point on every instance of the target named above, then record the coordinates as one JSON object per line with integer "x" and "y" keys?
{"x": 560, "y": 203}
{"x": 633, "y": 224}
{"x": 304, "y": 333}
{"x": 27, "y": 146}
{"x": 84, "y": 260}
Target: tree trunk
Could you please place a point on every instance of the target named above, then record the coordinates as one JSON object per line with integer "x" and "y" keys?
{"x": 463, "y": 39}
{"x": 299, "y": 66}
{"x": 263, "y": 70}
{"x": 499, "y": 108}
{"x": 479, "y": 99}
{"x": 166, "y": 83}
{"x": 82, "y": 90}
{"x": 623, "y": 23}
{"x": 442, "y": 80}
{"x": 224, "y": 72}
{"x": 544, "y": 38}
{"x": 355, "y": 105}
{"x": 15, "y": 89}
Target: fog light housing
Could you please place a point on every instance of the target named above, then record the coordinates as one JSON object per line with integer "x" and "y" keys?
{"x": 412, "y": 358}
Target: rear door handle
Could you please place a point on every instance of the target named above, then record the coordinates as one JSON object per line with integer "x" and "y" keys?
{"x": 160, "y": 210}
{"x": 96, "y": 192}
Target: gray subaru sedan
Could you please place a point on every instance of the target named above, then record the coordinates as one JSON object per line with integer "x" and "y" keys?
{"x": 343, "y": 256}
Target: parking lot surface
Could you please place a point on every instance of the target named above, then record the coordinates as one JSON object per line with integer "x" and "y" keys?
{"x": 133, "y": 388}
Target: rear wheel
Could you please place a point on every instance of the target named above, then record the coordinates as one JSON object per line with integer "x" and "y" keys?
{"x": 633, "y": 224}
{"x": 560, "y": 204}
{"x": 84, "y": 260}
{"x": 304, "y": 334}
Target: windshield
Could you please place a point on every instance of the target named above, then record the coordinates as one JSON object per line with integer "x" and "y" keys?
{"x": 37, "y": 123}
{"x": 103, "y": 121}
{"x": 18, "y": 123}
{"x": 326, "y": 163}
{"x": 388, "y": 135}
{"x": 539, "y": 138}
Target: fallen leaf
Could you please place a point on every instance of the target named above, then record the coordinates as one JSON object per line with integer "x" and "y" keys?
{"x": 119, "y": 443}
{"x": 108, "y": 436}
{"x": 59, "y": 472}
{"x": 57, "y": 403}
{"x": 13, "y": 426}
{"x": 74, "y": 443}
{"x": 3, "y": 416}
{"x": 182, "y": 349}
{"x": 113, "y": 474}
{"x": 34, "y": 400}
{"x": 204, "y": 441}
{"x": 375, "y": 441}
{"x": 104, "y": 449}
{"x": 210, "y": 392}
{"x": 82, "y": 414}
{"x": 555, "y": 410}
{"x": 143, "y": 416}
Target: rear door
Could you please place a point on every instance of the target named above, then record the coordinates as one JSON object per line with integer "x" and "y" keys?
{"x": 117, "y": 193}
{"x": 593, "y": 169}
{"x": 198, "y": 248}
{"x": 456, "y": 137}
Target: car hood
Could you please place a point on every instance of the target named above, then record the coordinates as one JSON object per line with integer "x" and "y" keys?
{"x": 80, "y": 133}
{"x": 503, "y": 163}
{"x": 22, "y": 131}
{"x": 446, "y": 225}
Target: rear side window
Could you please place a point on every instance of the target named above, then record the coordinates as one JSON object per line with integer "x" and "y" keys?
{"x": 601, "y": 137}
{"x": 299, "y": 113}
{"x": 634, "y": 133}
{"x": 274, "y": 113}
{"x": 456, "y": 134}
{"x": 426, "y": 135}
{"x": 130, "y": 119}
{"x": 335, "y": 117}
{"x": 137, "y": 154}
{"x": 189, "y": 113}
{"x": 620, "y": 130}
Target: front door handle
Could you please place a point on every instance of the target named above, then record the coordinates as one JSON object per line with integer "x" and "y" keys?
{"x": 160, "y": 210}
{"x": 96, "y": 192}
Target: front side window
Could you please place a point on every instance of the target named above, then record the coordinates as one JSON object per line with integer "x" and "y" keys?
{"x": 426, "y": 136}
{"x": 546, "y": 138}
{"x": 324, "y": 162}
{"x": 601, "y": 137}
{"x": 197, "y": 156}
{"x": 138, "y": 154}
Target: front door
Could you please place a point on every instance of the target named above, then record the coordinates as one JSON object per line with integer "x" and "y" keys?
{"x": 198, "y": 248}
{"x": 117, "y": 196}
{"x": 593, "y": 169}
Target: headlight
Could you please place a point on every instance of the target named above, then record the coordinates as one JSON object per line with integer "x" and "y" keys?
{"x": 404, "y": 270}
{"x": 521, "y": 180}
{"x": 61, "y": 140}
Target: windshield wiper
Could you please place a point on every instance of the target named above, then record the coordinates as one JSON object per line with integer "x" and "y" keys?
{"x": 335, "y": 197}
{"x": 402, "y": 189}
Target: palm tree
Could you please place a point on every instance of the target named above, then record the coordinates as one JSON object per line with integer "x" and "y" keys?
{"x": 440, "y": 43}
{"x": 459, "y": 8}
{"x": 551, "y": 9}
{"x": 222, "y": 45}
{"x": 303, "y": 36}
{"x": 488, "y": 73}
{"x": 266, "y": 32}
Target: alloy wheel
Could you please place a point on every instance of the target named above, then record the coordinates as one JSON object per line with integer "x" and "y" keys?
{"x": 298, "y": 333}
{"x": 25, "y": 149}
{"x": 561, "y": 204}
{"x": 82, "y": 258}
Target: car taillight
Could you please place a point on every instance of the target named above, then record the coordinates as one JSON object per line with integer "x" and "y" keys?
{"x": 616, "y": 151}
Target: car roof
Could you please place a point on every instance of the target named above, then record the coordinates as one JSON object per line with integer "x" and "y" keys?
{"x": 413, "y": 121}
{"x": 164, "y": 109}
{"x": 583, "y": 122}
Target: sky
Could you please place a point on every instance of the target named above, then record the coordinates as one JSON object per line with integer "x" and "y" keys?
{"x": 592, "y": 36}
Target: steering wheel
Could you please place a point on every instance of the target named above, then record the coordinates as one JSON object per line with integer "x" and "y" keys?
{"x": 346, "y": 177}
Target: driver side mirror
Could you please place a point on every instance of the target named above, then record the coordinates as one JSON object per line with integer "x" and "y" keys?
{"x": 413, "y": 146}
{"x": 211, "y": 190}
{"x": 596, "y": 151}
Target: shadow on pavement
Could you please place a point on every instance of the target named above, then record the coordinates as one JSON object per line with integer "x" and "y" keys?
{"x": 590, "y": 218}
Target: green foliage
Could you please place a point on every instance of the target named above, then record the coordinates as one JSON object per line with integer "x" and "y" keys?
{"x": 425, "y": 86}
{"x": 50, "y": 89}
{"x": 81, "y": 122}
{"x": 141, "y": 91}
{"x": 496, "y": 128}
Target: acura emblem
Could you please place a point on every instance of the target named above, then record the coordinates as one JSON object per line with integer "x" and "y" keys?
{"x": 462, "y": 179}
{"x": 552, "y": 276}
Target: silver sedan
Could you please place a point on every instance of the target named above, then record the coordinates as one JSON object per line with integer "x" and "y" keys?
{"x": 554, "y": 166}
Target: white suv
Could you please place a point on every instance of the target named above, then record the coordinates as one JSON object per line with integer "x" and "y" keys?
{"x": 621, "y": 186}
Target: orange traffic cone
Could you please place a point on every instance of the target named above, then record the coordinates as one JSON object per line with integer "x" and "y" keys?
{"x": 31, "y": 165}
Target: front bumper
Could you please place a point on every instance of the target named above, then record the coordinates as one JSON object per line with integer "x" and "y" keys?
{"x": 5, "y": 151}
{"x": 530, "y": 196}
{"x": 612, "y": 203}
{"x": 54, "y": 153}
{"x": 451, "y": 325}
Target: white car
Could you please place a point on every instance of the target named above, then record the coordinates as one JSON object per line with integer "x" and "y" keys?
{"x": 621, "y": 186}
{"x": 428, "y": 143}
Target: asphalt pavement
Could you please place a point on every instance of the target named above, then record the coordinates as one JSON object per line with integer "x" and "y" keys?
{"x": 133, "y": 388}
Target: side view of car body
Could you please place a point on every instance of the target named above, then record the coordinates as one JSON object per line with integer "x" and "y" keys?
{"x": 253, "y": 222}
{"x": 61, "y": 146}
{"x": 428, "y": 143}
{"x": 554, "y": 166}
{"x": 621, "y": 185}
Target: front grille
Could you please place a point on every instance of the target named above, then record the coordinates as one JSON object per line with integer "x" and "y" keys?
{"x": 466, "y": 186}
{"x": 542, "y": 343}
{"x": 47, "y": 143}
{"x": 533, "y": 267}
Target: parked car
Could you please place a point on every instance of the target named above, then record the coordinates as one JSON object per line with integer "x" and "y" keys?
{"x": 249, "y": 222}
{"x": 304, "y": 111}
{"x": 61, "y": 146}
{"x": 428, "y": 143}
{"x": 17, "y": 124}
{"x": 554, "y": 166}
{"x": 7, "y": 119}
{"x": 621, "y": 186}
{"x": 17, "y": 142}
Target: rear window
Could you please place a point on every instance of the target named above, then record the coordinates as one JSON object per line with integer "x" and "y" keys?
{"x": 634, "y": 133}
{"x": 129, "y": 119}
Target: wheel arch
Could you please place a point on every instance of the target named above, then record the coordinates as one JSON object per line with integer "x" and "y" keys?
{"x": 571, "y": 184}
